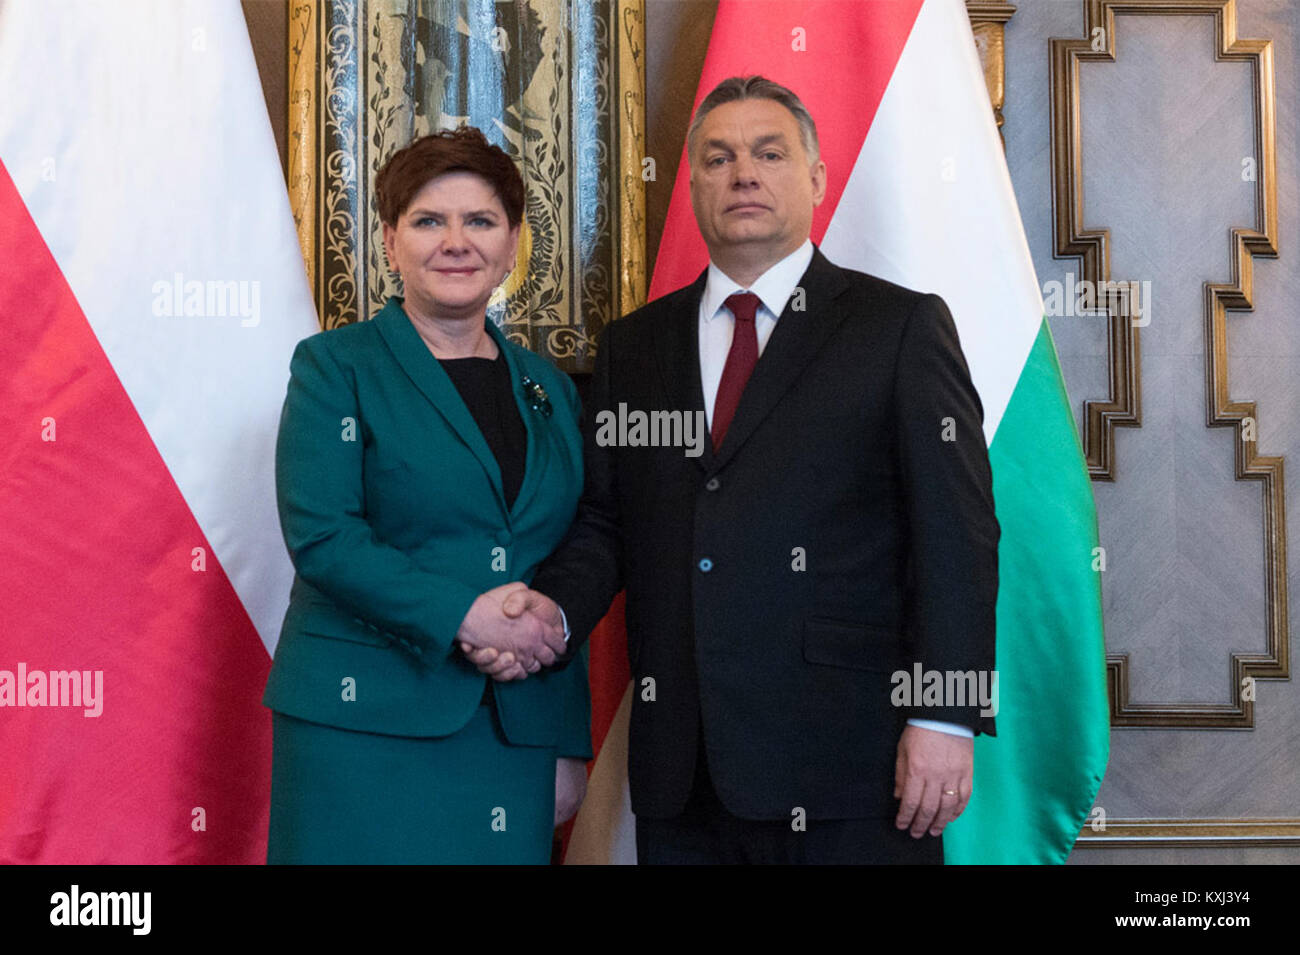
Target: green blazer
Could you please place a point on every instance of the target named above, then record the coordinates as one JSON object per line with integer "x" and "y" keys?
{"x": 392, "y": 509}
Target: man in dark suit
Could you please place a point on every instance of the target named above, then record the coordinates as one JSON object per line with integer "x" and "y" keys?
{"x": 836, "y": 532}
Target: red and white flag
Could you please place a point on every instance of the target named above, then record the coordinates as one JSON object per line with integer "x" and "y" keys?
{"x": 918, "y": 193}
{"x": 151, "y": 293}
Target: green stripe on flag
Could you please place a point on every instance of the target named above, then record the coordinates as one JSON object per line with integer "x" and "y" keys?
{"x": 1035, "y": 782}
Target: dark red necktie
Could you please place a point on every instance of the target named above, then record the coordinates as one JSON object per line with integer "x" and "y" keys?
{"x": 740, "y": 362}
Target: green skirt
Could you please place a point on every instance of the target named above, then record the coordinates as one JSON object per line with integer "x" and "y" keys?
{"x": 341, "y": 796}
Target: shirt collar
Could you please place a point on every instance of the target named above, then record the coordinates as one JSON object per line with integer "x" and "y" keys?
{"x": 773, "y": 288}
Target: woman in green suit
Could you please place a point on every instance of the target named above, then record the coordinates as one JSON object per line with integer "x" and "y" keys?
{"x": 425, "y": 466}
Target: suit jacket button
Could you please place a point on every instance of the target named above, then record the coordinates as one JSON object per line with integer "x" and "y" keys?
{"x": 504, "y": 538}
{"x": 706, "y": 565}
{"x": 713, "y": 484}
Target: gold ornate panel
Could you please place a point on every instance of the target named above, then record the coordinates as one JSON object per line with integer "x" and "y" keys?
{"x": 558, "y": 85}
{"x": 1122, "y": 408}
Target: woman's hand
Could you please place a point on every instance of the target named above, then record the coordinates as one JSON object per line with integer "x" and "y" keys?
{"x": 500, "y": 666}
{"x": 570, "y": 787}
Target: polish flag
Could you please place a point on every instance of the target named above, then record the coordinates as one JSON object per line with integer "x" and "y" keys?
{"x": 152, "y": 291}
{"x": 919, "y": 194}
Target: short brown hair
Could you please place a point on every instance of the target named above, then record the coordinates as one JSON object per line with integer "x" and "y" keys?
{"x": 735, "y": 88}
{"x": 464, "y": 149}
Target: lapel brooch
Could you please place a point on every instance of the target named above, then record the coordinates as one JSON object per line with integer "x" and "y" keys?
{"x": 536, "y": 395}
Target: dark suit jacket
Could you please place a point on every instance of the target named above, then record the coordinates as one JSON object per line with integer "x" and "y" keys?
{"x": 393, "y": 512}
{"x": 774, "y": 587}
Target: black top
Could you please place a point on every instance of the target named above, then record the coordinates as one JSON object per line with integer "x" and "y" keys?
{"x": 485, "y": 387}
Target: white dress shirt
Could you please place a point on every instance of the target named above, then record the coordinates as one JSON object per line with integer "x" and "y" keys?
{"x": 773, "y": 288}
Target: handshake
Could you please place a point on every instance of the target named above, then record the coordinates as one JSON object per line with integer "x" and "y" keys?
{"x": 511, "y": 631}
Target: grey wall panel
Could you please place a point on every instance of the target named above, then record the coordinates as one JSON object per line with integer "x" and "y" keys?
{"x": 1165, "y": 129}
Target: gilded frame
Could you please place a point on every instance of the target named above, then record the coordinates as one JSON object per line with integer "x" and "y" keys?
{"x": 358, "y": 70}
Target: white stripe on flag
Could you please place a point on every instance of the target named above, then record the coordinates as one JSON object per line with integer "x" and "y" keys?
{"x": 929, "y": 204}
{"x": 207, "y": 387}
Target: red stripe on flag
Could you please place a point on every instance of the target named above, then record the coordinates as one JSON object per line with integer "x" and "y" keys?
{"x": 95, "y": 574}
{"x": 850, "y": 49}
{"x": 608, "y": 671}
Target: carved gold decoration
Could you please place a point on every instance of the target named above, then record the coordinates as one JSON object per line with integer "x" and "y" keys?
{"x": 558, "y": 85}
{"x": 303, "y": 97}
{"x": 988, "y": 19}
{"x": 1123, "y": 405}
{"x": 631, "y": 141}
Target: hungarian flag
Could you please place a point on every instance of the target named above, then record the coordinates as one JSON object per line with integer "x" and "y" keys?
{"x": 152, "y": 291}
{"x": 919, "y": 194}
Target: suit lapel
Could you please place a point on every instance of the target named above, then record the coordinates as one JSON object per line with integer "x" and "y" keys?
{"x": 797, "y": 337}
{"x": 537, "y": 455}
{"x": 677, "y": 352}
{"x": 426, "y": 374}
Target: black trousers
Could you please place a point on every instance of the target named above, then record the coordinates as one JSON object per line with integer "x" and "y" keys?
{"x": 707, "y": 834}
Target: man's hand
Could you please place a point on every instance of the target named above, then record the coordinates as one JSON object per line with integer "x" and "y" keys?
{"x": 519, "y": 643}
{"x": 930, "y": 766}
{"x": 523, "y": 600}
{"x": 570, "y": 787}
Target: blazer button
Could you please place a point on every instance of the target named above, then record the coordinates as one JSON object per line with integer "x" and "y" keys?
{"x": 713, "y": 484}
{"x": 706, "y": 565}
{"x": 504, "y": 538}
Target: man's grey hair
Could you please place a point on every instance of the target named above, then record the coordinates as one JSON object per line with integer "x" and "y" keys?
{"x": 736, "y": 88}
